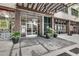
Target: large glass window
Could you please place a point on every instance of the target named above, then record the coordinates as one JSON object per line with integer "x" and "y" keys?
{"x": 6, "y": 23}
{"x": 47, "y": 23}
{"x": 6, "y": 18}
{"x": 60, "y": 26}
{"x": 29, "y": 25}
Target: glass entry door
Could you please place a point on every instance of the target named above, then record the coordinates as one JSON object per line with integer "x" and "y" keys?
{"x": 31, "y": 28}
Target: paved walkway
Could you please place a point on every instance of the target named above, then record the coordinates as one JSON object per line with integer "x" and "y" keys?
{"x": 67, "y": 51}
{"x": 72, "y": 50}
{"x": 73, "y": 38}
{"x": 33, "y": 47}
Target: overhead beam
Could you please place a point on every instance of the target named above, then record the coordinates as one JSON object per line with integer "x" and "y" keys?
{"x": 54, "y": 5}
{"x": 23, "y": 4}
{"x": 50, "y": 4}
{"x": 60, "y": 7}
{"x": 37, "y": 6}
{"x": 41, "y": 6}
{"x": 20, "y": 7}
{"x": 32, "y": 5}
{"x": 27, "y": 5}
{"x": 45, "y": 7}
{"x": 55, "y": 8}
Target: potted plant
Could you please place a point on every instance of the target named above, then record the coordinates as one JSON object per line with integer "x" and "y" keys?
{"x": 49, "y": 32}
{"x": 15, "y": 37}
{"x": 54, "y": 35}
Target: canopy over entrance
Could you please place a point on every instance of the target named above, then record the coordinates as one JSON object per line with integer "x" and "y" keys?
{"x": 45, "y": 8}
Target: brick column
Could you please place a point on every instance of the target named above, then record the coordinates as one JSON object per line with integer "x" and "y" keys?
{"x": 77, "y": 27}
{"x": 17, "y": 21}
{"x": 68, "y": 27}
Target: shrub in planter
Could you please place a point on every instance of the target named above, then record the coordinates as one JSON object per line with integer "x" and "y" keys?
{"x": 14, "y": 40}
{"x": 54, "y": 35}
{"x": 47, "y": 36}
{"x": 15, "y": 37}
{"x": 49, "y": 33}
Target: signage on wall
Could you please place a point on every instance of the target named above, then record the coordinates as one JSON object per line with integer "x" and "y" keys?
{"x": 4, "y": 24}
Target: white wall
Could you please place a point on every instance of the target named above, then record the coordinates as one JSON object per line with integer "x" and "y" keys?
{"x": 66, "y": 16}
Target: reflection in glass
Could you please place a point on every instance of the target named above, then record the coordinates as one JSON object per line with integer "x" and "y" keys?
{"x": 29, "y": 29}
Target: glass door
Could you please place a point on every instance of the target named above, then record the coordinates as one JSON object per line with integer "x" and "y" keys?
{"x": 31, "y": 28}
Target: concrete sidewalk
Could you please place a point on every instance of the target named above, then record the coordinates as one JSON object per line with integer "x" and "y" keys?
{"x": 74, "y": 38}
{"x": 65, "y": 51}
{"x": 33, "y": 47}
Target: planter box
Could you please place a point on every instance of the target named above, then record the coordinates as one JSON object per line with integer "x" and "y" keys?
{"x": 15, "y": 40}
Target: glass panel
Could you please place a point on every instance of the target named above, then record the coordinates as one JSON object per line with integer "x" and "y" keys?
{"x": 23, "y": 30}
{"x": 29, "y": 29}
{"x": 45, "y": 19}
{"x": 47, "y": 23}
{"x": 34, "y": 28}
{"x": 49, "y": 20}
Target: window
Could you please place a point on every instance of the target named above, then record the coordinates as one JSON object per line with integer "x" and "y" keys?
{"x": 74, "y": 12}
{"x": 60, "y": 26}
{"x": 6, "y": 20}
{"x": 47, "y": 23}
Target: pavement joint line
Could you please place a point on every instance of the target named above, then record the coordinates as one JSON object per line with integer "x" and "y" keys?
{"x": 71, "y": 53}
{"x": 58, "y": 49}
{"x": 43, "y": 46}
{"x": 55, "y": 49}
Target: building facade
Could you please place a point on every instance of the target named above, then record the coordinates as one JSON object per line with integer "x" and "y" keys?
{"x": 33, "y": 24}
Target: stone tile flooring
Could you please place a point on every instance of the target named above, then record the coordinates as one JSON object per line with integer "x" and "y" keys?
{"x": 75, "y": 50}
{"x": 73, "y": 38}
{"x": 33, "y": 50}
{"x": 65, "y": 51}
{"x": 48, "y": 44}
{"x": 34, "y": 46}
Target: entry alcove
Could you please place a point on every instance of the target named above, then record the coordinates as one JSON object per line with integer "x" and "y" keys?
{"x": 30, "y": 26}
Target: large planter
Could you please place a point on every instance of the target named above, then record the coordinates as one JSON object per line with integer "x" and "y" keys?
{"x": 15, "y": 40}
{"x": 15, "y": 37}
{"x": 47, "y": 36}
{"x": 54, "y": 35}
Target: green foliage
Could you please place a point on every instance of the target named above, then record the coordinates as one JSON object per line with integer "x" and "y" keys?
{"x": 16, "y": 34}
{"x": 51, "y": 32}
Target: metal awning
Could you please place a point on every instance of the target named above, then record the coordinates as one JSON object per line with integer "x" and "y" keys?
{"x": 45, "y": 8}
